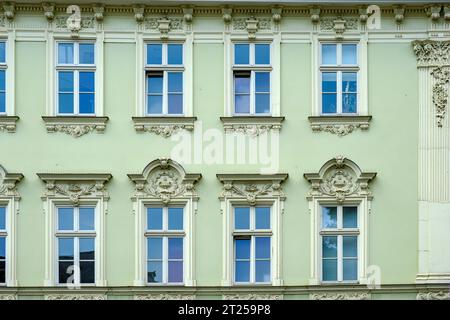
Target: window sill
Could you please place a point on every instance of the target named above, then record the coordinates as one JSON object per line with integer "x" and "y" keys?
{"x": 8, "y": 123}
{"x": 340, "y": 125}
{"x": 163, "y": 126}
{"x": 251, "y": 125}
{"x": 75, "y": 126}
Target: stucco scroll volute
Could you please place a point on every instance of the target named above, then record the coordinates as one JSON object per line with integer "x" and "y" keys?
{"x": 340, "y": 179}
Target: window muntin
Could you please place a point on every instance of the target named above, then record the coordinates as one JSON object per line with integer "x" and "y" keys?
{"x": 165, "y": 245}
{"x": 339, "y": 235}
{"x": 3, "y": 235}
{"x": 164, "y": 79}
{"x": 75, "y": 78}
{"x": 252, "y": 78}
{"x": 75, "y": 239}
{"x": 252, "y": 244}
{"x": 339, "y": 78}
{"x": 3, "y": 67}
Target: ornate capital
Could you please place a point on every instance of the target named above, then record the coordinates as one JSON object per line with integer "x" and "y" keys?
{"x": 340, "y": 178}
{"x": 430, "y": 53}
{"x": 340, "y": 296}
{"x": 8, "y": 183}
{"x": 166, "y": 180}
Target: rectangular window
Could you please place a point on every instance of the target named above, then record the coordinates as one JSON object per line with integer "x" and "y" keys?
{"x": 252, "y": 244}
{"x": 75, "y": 78}
{"x": 339, "y": 233}
{"x": 252, "y": 78}
{"x": 165, "y": 245}
{"x": 339, "y": 78}
{"x": 75, "y": 236}
{"x": 164, "y": 79}
{"x": 3, "y": 235}
{"x": 3, "y": 67}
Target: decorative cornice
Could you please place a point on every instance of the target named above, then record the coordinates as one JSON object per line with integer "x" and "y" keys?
{"x": 252, "y": 296}
{"x": 438, "y": 295}
{"x": 339, "y": 125}
{"x": 252, "y": 126}
{"x": 340, "y": 296}
{"x": 8, "y": 183}
{"x": 8, "y": 123}
{"x": 164, "y": 296}
{"x": 340, "y": 178}
{"x": 74, "y": 187}
{"x": 164, "y": 126}
{"x": 252, "y": 187}
{"x": 75, "y": 297}
{"x": 166, "y": 180}
{"x": 76, "y": 126}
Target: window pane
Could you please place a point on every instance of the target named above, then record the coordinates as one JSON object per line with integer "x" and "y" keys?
{"x": 65, "y": 53}
{"x": 87, "y": 248}
{"x": 329, "y": 247}
{"x": 66, "y": 270}
{"x": 154, "y": 104}
{"x": 154, "y": 248}
{"x": 329, "y": 103}
{"x": 242, "y": 83}
{"x": 262, "y": 54}
{"x": 262, "y": 82}
{"x": 262, "y": 271}
{"x": 242, "y": 271}
{"x": 87, "y": 82}
{"x": 242, "y": 93}
{"x": 175, "y": 104}
{"x": 350, "y": 269}
{"x": 349, "y": 54}
{"x": 242, "y": 218}
{"x": 175, "y": 248}
{"x": 87, "y": 272}
{"x": 350, "y": 217}
{"x": 262, "y": 218}
{"x": 349, "y": 81}
{"x": 176, "y": 219}
{"x": 65, "y": 248}
{"x": 175, "y": 53}
{"x": 65, "y": 81}
{"x": 349, "y": 103}
{"x": 329, "y": 82}
{"x": 329, "y": 270}
{"x": 241, "y": 54}
{"x": 87, "y": 219}
{"x": 175, "y": 81}
{"x": 2, "y": 247}
{"x": 87, "y": 103}
{"x": 2, "y": 271}
{"x": 2, "y": 80}
{"x": 2, "y": 52}
{"x": 154, "y": 54}
{"x": 242, "y": 103}
{"x": 262, "y": 247}
{"x": 65, "y": 103}
{"x": 154, "y": 218}
{"x": 262, "y": 103}
{"x": 155, "y": 83}
{"x": 175, "y": 271}
{"x": 350, "y": 244}
{"x": 2, "y": 218}
{"x": 242, "y": 248}
{"x": 65, "y": 219}
{"x": 329, "y": 54}
{"x": 329, "y": 217}
{"x": 86, "y": 53}
{"x": 154, "y": 271}
{"x": 2, "y": 102}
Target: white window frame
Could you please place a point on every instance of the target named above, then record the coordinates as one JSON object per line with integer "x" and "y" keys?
{"x": 360, "y": 69}
{"x": 58, "y": 234}
{"x": 274, "y": 39}
{"x": 52, "y": 108}
{"x": 76, "y": 68}
{"x": 9, "y": 67}
{"x": 252, "y": 68}
{"x": 187, "y": 40}
{"x": 339, "y": 232}
{"x": 252, "y": 233}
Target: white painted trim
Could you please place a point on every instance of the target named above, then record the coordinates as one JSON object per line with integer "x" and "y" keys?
{"x": 11, "y": 205}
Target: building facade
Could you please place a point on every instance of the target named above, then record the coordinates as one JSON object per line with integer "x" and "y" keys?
{"x": 224, "y": 150}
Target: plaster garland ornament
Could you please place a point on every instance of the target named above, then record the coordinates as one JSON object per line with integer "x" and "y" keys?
{"x": 49, "y": 11}
{"x": 252, "y": 130}
{"x": 340, "y": 296}
{"x": 164, "y": 296}
{"x": 440, "y": 92}
{"x": 76, "y": 130}
{"x": 75, "y": 297}
{"x": 439, "y": 295}
{"x": 5, "y": 297}
{"x": 164, "y": 130}
{"x": 252, "y": 296}
{"x": 75, "y": 191}
{"x": 340, "y": 129}
{"x": 340, "y": 178}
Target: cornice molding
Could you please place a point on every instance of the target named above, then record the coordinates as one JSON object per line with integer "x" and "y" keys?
{"x": 340, "y": 178}
{"x": 339, "y": 125}
{"x": 252, "y": 126}
{"x": 166, "y": 180}
{"x": 8, "y": 183}
{"x": 75, "y": 126}
{"x": 8, "y": 123}
{"x": 164, "y": 126}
